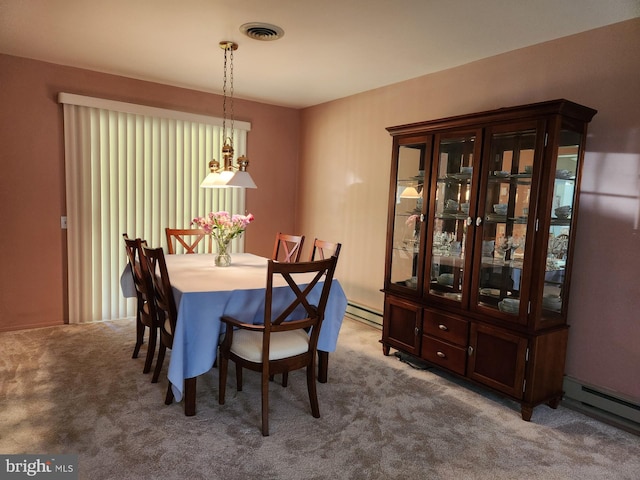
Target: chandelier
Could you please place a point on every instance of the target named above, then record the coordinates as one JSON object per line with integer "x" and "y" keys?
{"x": 228, "y": 174}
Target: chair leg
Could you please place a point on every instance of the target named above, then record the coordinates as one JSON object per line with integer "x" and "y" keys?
{"x": 159, "y": 362}
{"x": 169, "y": 398}
{"x": 238, "y": 377}
{"x": 222, "y": 379}
{"x": 265, "y": 403}
{"x": 323, "y": 366}
{"x": 151, "y": 349}
{"x": 311, "y": 387}
{"x": 139, "y": 336}
{"x": 285, "y": 377}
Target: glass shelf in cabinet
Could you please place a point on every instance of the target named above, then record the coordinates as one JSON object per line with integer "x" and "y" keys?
{"x": 459, "y": 176}
{"x": 497, "y": 262}
{"x": 408, "y": 248}
{"x": 500, "y": 175}
{"x": 416, "y": 179}
{"x": 452, "y": 215}
{"x": 495, "y": 218}
{"x": 450, "y": 180}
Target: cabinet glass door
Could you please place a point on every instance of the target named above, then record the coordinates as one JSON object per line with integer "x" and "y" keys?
{"x": 504, "y": 211}
{"x": 564, "y": 196}
{"x": 407, "y": 220}
{"x": 453, "y": 170}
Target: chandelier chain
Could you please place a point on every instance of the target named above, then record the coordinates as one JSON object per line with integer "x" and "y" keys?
{"x": 227, "y": 73}
{"x": 231, "y": 91}
{"x": 224, "y": 99}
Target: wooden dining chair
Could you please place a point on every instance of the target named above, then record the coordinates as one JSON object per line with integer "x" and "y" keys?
{"x": 323, "y": 249}
{"x": 133, "y": 264}
{"x": 287, "y": 248}
{"x": 165, "y": 306}
{"x": 282, "y": 343}
{"x": 146, "y": 315}
{"x": 189, "y": 238}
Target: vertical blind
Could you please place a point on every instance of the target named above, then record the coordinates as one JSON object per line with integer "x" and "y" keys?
{"x": 135, "y": 170}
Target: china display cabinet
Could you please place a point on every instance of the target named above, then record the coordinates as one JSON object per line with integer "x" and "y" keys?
{"x": 481, "y": 229}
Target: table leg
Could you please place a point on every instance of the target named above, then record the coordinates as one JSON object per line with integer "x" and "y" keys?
{"x": 190, "y": 396}
{"x": 323, "y": 366}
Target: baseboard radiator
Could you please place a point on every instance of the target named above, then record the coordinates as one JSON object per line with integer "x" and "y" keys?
{"x": 364, "y": 314}
{"x": 601, "y": 404}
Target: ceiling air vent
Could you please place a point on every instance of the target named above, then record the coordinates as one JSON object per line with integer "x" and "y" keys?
{"x": 262, "y": 31}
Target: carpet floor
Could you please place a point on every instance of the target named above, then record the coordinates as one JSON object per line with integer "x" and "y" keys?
{"x": 75, "y": 389}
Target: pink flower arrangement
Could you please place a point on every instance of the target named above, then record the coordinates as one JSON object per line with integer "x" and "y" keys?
{"x": 223, "y": 226}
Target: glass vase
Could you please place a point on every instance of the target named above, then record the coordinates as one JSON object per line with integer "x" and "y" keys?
{"x": 222, "y": 258}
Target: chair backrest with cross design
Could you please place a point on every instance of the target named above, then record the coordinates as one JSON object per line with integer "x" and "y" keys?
{"x": 187, "y": 238}
{"x": 287, "y": 248}
{"x": 323, "y": 249}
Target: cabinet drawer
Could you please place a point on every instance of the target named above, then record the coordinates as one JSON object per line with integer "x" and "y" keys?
{"x": 444, "y": 354}
{"x": 452, "y": 329}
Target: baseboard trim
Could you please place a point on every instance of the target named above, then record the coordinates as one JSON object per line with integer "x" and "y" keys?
{"x": 364, "y": 314}
{"x": 28, "y": 326}
{"x": 606, "y": 406}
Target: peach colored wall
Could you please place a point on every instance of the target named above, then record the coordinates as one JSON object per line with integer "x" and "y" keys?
{"x": 32, "y": 196}
{"x": 344, "y": 179}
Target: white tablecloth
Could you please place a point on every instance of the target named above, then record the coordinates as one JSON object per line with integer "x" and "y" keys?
{"x": 204, "y": 293}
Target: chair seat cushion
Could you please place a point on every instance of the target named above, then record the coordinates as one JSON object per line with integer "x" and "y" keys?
{"x": 248, "y": 345}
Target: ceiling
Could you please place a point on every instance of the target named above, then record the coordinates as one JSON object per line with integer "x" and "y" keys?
{"x": 330, "y": 48}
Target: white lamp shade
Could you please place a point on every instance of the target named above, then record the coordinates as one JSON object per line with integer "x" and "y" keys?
{"x": 241, "y": 180}
{"x": 212, "y": 180}
{"x": 228, "y": 179}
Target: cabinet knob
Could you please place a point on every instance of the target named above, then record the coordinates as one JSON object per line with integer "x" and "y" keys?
{"x": 470, "y": 350}
{"x": 440, "y": 354}
{"x": 443, "y": 327}
{"x": 417, "y": 331}
{"x": 469, "y": 221}
{"x": 478, "y": 221}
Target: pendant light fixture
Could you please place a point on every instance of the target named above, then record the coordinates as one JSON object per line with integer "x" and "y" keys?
{"x": 228, "y": 174}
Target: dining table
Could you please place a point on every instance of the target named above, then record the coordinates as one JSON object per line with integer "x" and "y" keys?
{"x": 205, "y": 292}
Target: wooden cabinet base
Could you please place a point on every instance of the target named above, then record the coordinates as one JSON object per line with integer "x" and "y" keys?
{"x": 526, "y": 367}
